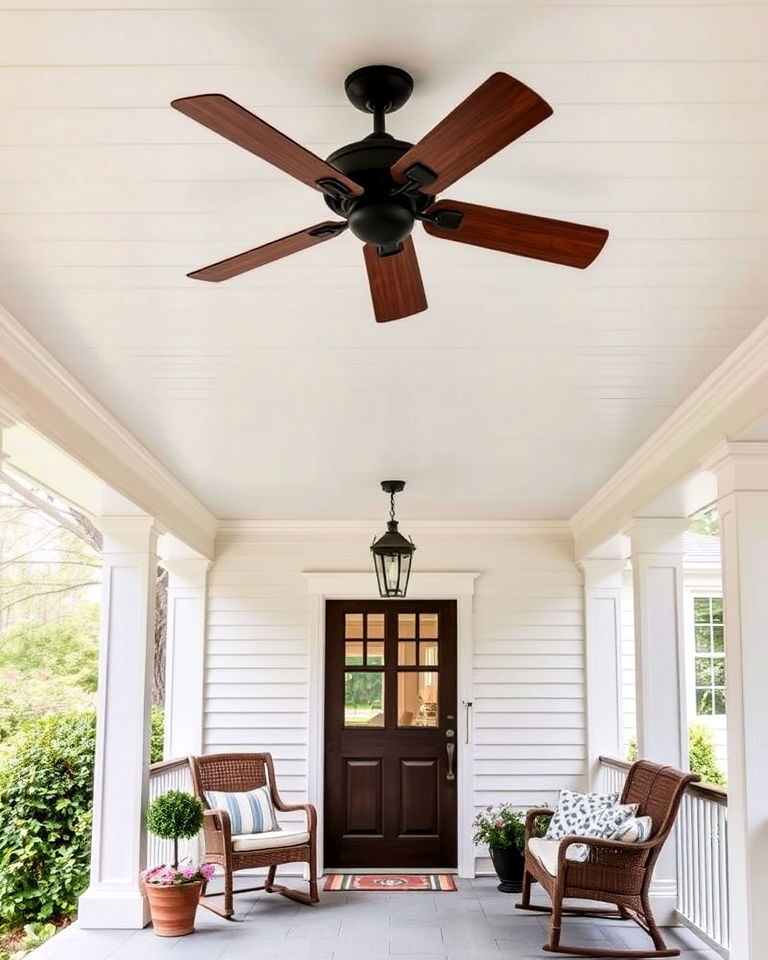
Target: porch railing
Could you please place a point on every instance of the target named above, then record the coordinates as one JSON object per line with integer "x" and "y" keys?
{"x": 702, "y": 855}
{"x": 164, "y": 776}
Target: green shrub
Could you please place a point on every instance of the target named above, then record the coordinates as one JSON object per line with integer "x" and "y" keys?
{"x": 173, "y": 816}
{"x": 46, "y": 785}
{"x": 702, "y": 758}
{"x": 46, "y": 793}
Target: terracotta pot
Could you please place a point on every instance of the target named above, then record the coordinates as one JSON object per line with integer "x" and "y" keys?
{"x": 173, "y": 907}
{"x": 508, "y": 863}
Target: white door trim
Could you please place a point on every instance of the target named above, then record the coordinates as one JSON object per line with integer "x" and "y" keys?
{"x": 422, "y": 586}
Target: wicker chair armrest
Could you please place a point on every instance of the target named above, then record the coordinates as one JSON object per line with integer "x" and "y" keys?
{"x": 217, "y": 830}
{"x": 532, "y": 816}
{"x": 308, "y": 808}
{"x": 618, "y": 852}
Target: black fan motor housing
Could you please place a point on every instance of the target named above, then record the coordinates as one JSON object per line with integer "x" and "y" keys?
{"x": 385, "y": 213}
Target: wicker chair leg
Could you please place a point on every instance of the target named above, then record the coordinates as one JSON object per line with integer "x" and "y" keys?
{"x": 269, "y": 883}
{"x": 556, "y": 924}
{"x": 229, "y": 904}
{"x": 651, "y": 927}
{"x": 525, "y": 893}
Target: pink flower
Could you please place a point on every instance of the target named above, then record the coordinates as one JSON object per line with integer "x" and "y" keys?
{"x": 207, "y": 870}
{"x": 499, "y": 824}
{"x": 188, "y": 872}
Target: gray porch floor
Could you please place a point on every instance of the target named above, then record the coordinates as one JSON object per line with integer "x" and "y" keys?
{"x": 477, "y": 923}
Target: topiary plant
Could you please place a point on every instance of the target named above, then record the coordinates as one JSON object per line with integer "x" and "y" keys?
{"x": 175, "y": 816}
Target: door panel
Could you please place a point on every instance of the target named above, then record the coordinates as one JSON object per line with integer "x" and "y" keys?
{"x": 390, "y": 713}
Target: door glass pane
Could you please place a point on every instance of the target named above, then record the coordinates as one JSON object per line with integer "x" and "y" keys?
{"x": 718, "y": 672}
{"x": 719, "y": 701}
{"x": 417, "y": 704}
{"x": 353, "y": 653}
{"x": 406, "y": 626}
{"x": 428, "y": 653}
{"x": 703, "y": 702}
{"x": 717, "y": 609}
{"x": 353, "y": 626}
{"x": 375, "y": 626}
{"x": 717, "y": 638}
{"x": 406, "y": 653}
{"x": 701, "y": 609}
{"x": 375, "y": 653}
{"x": 703, "y": 639}
{"x": 363, "y": 699}
{"x": 428, "y": 626}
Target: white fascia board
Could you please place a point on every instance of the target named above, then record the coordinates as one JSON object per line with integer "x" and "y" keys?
{"x": 37, "y": 391}
{"x": 731, "y": 398}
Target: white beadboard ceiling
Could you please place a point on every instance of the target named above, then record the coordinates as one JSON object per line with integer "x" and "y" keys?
{"x": 275, "y": 395}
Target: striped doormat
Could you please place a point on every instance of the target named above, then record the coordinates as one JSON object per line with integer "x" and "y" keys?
{"x": 389, "y": 882}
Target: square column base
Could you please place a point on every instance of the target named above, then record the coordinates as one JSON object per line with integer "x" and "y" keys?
{"x": 100, "y": 909}
{"x": 663, "y": 896}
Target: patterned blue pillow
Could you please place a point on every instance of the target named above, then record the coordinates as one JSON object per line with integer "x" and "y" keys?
{"x": 634, "y": 830}
{"x": 250, "y": 812}
{"x": 604, "y": 825}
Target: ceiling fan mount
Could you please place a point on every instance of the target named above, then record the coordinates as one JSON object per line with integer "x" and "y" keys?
{"x": 381, "y": 186}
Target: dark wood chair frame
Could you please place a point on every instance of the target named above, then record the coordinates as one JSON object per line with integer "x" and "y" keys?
{"x": 238, "y": 773}
{"x": 615, "y": 873}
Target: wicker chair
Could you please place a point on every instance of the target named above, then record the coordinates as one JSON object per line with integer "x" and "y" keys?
{"x": 615, "y": 873}
{"x": 237, "y": 773}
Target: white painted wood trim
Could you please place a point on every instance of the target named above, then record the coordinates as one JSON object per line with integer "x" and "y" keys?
{"x": 36, "y": 390}
{"x": 460, "y": 587}
{"x": 731, "y": 397}
{"x": 516, "y": 528}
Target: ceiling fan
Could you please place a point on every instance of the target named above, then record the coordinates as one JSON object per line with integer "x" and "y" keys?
{"x": 381, "y": 186}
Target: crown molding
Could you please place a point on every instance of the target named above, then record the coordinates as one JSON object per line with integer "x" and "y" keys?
{"x": 229, "y": 529}
{"x": 729, "y": 399}
{"x": 38, "y": 391}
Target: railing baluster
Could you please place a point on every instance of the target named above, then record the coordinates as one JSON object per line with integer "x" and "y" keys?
{"x": 165, "y": 776}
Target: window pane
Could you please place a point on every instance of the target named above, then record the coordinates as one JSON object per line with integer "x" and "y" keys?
{"x": 375, "y": 653}
{"x": 353, "y": 653}
{"x": 703, "y": 702}
{"x": 703, "y": 672}
{"x": 406, "y": 626}
{"x": 406, "y": 653}
{"x": 428, "y": 626}
{"x": 375, "y": 626}
{"x": 353, "y": 626}
{"x": 718, "y": 638}
{"x": 717, "y": 609}
{"x": 417, "y": 704}
{"x": 701, "y": 609}
{"x": 719, "y": 701}
{"x": 703, "y": 639}
{"x": 428, "y": 654}
{"x": 718, "y": 672}
{"x": 363, "y": 699}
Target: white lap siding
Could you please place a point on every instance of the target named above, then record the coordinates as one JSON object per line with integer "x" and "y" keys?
{"x": 528, "y": 663}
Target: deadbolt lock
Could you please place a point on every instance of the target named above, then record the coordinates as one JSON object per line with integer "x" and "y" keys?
{"x": 450, "y": 733}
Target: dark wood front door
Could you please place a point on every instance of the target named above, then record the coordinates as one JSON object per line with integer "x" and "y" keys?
{"x": 390, "y": 734}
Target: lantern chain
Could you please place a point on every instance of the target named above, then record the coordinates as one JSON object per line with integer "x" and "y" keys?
{"x": 392, "y": 505}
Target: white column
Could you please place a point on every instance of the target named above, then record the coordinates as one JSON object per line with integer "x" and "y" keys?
{"x": 602, "y": 622}
{"x": 185, "y": 656}
{"x": 114, "y": 898}
{"x": 662, "y": 734}
{"x": 742, "y": 477}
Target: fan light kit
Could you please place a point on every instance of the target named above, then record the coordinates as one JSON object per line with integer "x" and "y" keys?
{"x": 392, "y": 553}
{"x": 381, "y": 186}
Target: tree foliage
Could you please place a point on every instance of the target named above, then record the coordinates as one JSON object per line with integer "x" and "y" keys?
{"x": 702, "y": 757}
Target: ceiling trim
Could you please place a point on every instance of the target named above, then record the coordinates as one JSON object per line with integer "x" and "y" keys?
{"x": 37, "y": 391}
{"x": 733, "y": 396}
{"x": 561, "y": 529}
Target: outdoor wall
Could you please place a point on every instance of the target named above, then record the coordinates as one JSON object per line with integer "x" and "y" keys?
{"x": 528, "y": 648}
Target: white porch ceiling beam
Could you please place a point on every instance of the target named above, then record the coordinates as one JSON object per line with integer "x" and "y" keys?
{"x": 731, "y": 398}
{"x": 37, "y": 391}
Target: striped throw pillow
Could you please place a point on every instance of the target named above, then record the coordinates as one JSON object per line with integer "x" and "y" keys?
{"x": 250, "y": 812}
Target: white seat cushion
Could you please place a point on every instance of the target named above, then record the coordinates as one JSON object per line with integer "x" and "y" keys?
{"x": 269, "y": 839}
{"x": 546, "y": 852}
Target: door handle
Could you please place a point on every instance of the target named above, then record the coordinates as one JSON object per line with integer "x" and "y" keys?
{"x": 450, "y": 749}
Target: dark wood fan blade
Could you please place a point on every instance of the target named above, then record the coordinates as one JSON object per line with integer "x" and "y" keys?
{"x": 498, "y": 112}
{"x": 395, "y": 282}
{"x": 242, "y": 127}
{"x": 243, "y": 262}
{"x": 556, "y": 241}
